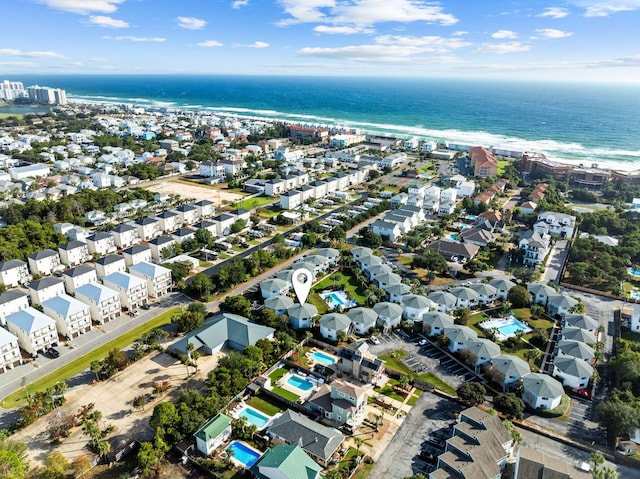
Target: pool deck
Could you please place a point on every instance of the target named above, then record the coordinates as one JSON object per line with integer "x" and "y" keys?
{"x": 312, "y": 362}
{"x": 237, "y": 411}
{"x": 283, "y": 382}
{"x": 500, "y": 322}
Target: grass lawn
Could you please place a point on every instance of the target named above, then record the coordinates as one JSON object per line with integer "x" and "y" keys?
{"x": 204, "y": 264}
{"x": 224, "y": 256}
{"x": 540, "y": 323}
{"x": 285, "y": 394}
{"x": 265, "y": 405}
{"x": 318, "y": 302}
{"x": 251, "y": 203}
{"x": 431, "y": 378}
{"x": 413, "y": 400}
{"x": 18, "y": 116}
{"x": 74, "y": 367}
{"x": 502, "y": 164}
{"x": 269, "y": 212}
{"x": 277, "y": 374}
{"x": 522, "y": 313}
{"x": 343, "y": 281}
{"x": 476, "y": 318}
{"x": 363, "y": 471}
{"x": 561, "y": 411}
{"x": 388, "y": 391}
{"x": 405, "y": 260}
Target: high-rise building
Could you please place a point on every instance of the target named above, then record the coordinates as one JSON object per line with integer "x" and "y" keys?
{"x": 12, "y": 90}
{"x": 50, "y": 96}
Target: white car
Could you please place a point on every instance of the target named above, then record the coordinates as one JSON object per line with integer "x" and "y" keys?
{"x": 374, "y": 340}
{"x": 422, "y": 342}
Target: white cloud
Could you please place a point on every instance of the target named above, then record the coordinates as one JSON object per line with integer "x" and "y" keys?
{"x": 342, "y": 29}
{"x": 83, "y": 7}
{"x": 426, "y": 43}
{"x": 239, "y": 3}
{"x": 502, "y": 34}
{"x": 599, "y": 8}
{"x": 460, "y": 33}
{"x": 107, "y": 22}
{"x": 552, "y": 33}
{"x": 191, "y": 23}
{"x": 363, "y": 12}
{"x": 256, "y": 45}
{"x": 137, "y": 39}
{"x": 210, "y": 43}
{"x": 502, "y": 48}
{"x": 13, "y": 52}
{"x": 17, "y": 64}
{"x": 554, "y": 12}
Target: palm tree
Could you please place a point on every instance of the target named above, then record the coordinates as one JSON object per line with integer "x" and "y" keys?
{"x": 532, "y": 355}
{"x": 95, "y": 368}
{"x": 358, "y": 441}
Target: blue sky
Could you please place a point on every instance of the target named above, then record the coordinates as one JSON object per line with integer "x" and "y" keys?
{"x": 589, "y": 40}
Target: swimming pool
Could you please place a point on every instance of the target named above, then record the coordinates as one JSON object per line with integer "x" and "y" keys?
{"x": 634, "y": 294}
{"x": 634, "y": 272}
{"x": 243, "y": 453}
{"x": 512, "y": 328}
{"x": 300, "y": 383}
{"x": 453, "y": 236}
{"x": 322, "y": 358}
{"x": 254, "y": 417}
{"x": 338, "y": 298}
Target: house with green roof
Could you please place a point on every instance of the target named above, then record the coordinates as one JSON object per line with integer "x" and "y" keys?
{"x": 223, "y": 330}
{"x": 213, "y": 434}
{"x": 286, "y": 462}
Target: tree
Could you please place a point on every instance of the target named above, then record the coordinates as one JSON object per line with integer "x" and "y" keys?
{"x": 237, "y": 305}
{"x": 200, "y": 285}
{"x": 461, "y": 316}
{"x": 510, "y": 405}
{"x": 238, "y": 225}
{"x": 532, "y": 355}
{"x": 472, "y": 393}
{"x": 337, "y": 233}
{"x": 309, "y": 239}
{"x": 519, "y": 297}
{"x": 475, "y": 266}
{"x": 56, "y": 466}
{"x": 11, "y": 465}
{"x": 525, "y": 275}
{"x": 81, "y": 465}
{"x": 430, "y": 260}
{"x": 59, "y": 424}
{"x": 618, "y": 418}
{"x": 369, "y": 238}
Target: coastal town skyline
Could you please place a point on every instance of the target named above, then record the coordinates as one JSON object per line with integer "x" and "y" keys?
{"x": 576, "y": 40}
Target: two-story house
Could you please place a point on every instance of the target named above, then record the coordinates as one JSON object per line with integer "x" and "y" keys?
{"x": 168, "y": 220}
{"x": 72, "y": 316}
{"x": 205, "y": 208}
{"x": 14, "y": 273}
{"x": 104, "y": 303}
{"x": 132, "y": 289}
{"x": 44, "y": 262}
{"x": 36, "y": 331}
{"x": 158, "y": 277}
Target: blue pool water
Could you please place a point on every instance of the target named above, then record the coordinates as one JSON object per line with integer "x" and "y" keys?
{"x": 634, "y": 272}
{"x": 300, "y": 383}
{"x": 453, "y": 236}
{"x": 513, "y": 327}
{"x": 254, "y": 417}
{"x": 635, "y": 295}
{"x": 243, "y": 454}
{"x": 323, "y": 358}
{"x": 338, "y": 298}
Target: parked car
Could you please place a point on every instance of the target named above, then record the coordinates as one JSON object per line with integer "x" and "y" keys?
{"x": 374, "y": 340}
{"x": 53, "y": 352}
{"x": 422, "y": 342}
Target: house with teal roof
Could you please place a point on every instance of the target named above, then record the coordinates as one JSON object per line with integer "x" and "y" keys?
{"x": 213, "y": 434}
{"x": 286, "y": 462}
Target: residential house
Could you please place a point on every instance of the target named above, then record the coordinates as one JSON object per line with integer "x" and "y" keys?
{"x": 223, "y": 223}
{"x": 395, "y": 292}
{"x": 557, "y": 224}
{"x": 183, "y": 234}
{"x": 104, "y": 303}
{"x": 319, "y": 441}
{"x": 286, "y": 462}
{"x": 541, "y": 293}
{"x": 414, "y": 306}
{"x": 10, "y": 355}
{"x": 341, "y": 402}
{"x": 509, "y": 370}
{"x": 132, "y": 289}
{"x": 435, "y": 322}
{"x": 11, "y": 302}
{"x": 465, "y": 297}
{"x": 72, "y": 316}
{"x": 45, "y": 288}
{"x": 503, "y": 286}
{"x": 204, "y": 208}
{"x": 36, "y": 332}
{"x": 147, "y": 228}
{"x": 301, "y": 315}
{"x": 160, "y": 247}
{"x": 168, "y": 221}
{"x": 137, "y": 254}
{"x": 125, "y": 235}
{"x": 74, "y": 253}
{"x": 80, "y": 275}
{"x": 389, "y": 315}
{"x": 535, "y": 246}
{"x": 14, "y": 273}
{"x": 356, "y": 361}
{"x": 573, "y": 372}
{"x": 187, "y": 214}
{"x": 581, "y": 321}
{"x": 158, "y": 277}
{"x": 541, "y": 391}
{"x": 210, "y": 226}
{"x": 576, "y": 349}
{"x": 333, "y": 324}
{"x": 487, "y": 294}
{"x": 44, "y": 262}
{"x": 279, "y": 304}
{"x": 101, "y": 243}
{"x": 273, "y": 287}
{"x": 578, "y": 334}
{"x": 454, "y": 249}
{"x": 481, "y": 351}
{"x": 110, "y": 264}
{"x": 560, "y": 304}
{"x": 477, "y": 236}
{"x": 213, "y": 434}
{"x": 459, "y": 336}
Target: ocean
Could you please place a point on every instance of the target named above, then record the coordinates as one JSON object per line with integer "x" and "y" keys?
{"x": 575, "y": 123}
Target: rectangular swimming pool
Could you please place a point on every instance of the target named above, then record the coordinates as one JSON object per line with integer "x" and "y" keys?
{"x": 243, "y": 453}
{"x": 322, "y": 358}
{"x": 254, "y": 417}
{"x": 338, "y": 298}
{"x": 512, "y": 328}
{"x": 300, "y": 383}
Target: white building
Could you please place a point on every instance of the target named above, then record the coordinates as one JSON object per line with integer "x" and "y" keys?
{"x": 132, "y": 289}
{"x": 558, "y": 224}
{"x": 168, "y": 220}
{"x": 10, "y": 355}
{"x": 101, "y": 243}
{"x": 158, "y": 277}
{"x": 535, "y": 246}
{"x": 14, "y": 273}
{"x": 74, "y": 253}
{"x": 20, "y": 173}
{"x": 137, "y": 254}
{"x": 125, "y": 235}
{"x": 72, "y": 316}
{"x": 11, "y": 302}
{"x": 36, "y": 331}
{"x": 80, "y": 275}
{"x": 44, "y": 262}
{"x": 104, "y": 303}
{"x": 110, "y": 264}
{"x": 573, "y": 372}
{"x": 45, "y": 288}
{"x": 541, "y": 391}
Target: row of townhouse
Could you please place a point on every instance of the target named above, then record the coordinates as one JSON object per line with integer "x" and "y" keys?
{"x": 536, "y": 244}
{"x": 321, "y": 188}
{"x": 399, "y": 222}
{"x": 432, "y": 199}
{"x": 70, "y": 305}
{"x": 278, "y": 186}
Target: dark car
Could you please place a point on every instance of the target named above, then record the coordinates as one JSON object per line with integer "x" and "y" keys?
{"x": 428, "y": 457}
{"x": 53, "y": 352}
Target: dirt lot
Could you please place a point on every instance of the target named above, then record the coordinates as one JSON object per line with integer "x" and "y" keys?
{"x": 197, "y": 192}
{"x": 114, "y": 399}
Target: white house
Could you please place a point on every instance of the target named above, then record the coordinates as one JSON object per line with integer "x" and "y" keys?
{"x": 45, "y": 288}
{"x": 389, "y": 314}
{"x": 333, "y": 324}
{"x": 11, "y": 302}
{"x": 573, "y": 372}
{"x": 125, "y": 235}
{"x": 74, "y": 253}
{"x": 558, "y": 224}
{"x": 387, "y": 229}
{"x": 147, "y": 228}
{"x": 137, "y": 254}
{"x": 541, "y": 391}
{"x": 44, "y": 262}
{"x": 482, "y": 351}
{"x": 132, "y": 289}
{"x": 291, "y": 199}
{"x": 205, "y": 208}
{"x": 535, "y": 246}
{"x": 465, "y": 297}
{"x": 273, "y": 287}
{"x": 187, "y": 214}
{"x": 159, "y": 245}
{"x": 414, "y": 306}
{"x": 209, "y": 169}
{"x": 158, "y": 277}
{"x": 14, "y": 273}
{"x": 10, "y": 355}
{"x": 101, "y": 243}
{"x": 213, "y": 434}
{"x": 395, "y": 292}
{"x": 443, "y": 301}
{"x": 503, "y": 286}
{"x": 36, "y": 331}
{"x": 72, "y": 316}
{"x": 459, "y": 336}
{"x": 435, "y": 322}
{"x": 80, "y": 275}
{"x": 31, "y": 171}
{"x": 510, "y": 370}
{"x": 110, "y": 264}
{"x": 541, "y": 293}
{"x": 362, "y": 319}
{"x": 168, "y": 220}
{"x": 104, "y": 303}
{"x": 560, "y": 304}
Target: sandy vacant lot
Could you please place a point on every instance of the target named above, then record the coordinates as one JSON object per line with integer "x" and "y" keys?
{"x": 113, "y": 398}
{"x": 197, "y": 192}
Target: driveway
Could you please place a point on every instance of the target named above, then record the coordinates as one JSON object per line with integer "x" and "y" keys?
{"x": 557, "y": 258}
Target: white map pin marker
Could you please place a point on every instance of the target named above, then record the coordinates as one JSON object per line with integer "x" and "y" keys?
{"x": 302, "y": 279}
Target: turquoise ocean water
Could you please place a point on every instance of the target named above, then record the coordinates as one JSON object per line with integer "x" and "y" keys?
{"x": 580, "y": 123}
